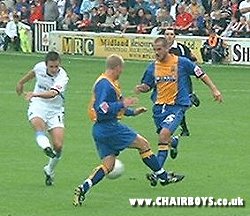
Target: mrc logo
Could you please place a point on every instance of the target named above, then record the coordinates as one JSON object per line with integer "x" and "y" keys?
{"x": 77, "y": 45}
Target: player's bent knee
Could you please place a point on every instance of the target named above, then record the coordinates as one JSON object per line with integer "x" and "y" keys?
{"x": 140, "y": 143}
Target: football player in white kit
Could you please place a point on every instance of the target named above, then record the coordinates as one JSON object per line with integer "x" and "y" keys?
{"x": 46, "y": 108}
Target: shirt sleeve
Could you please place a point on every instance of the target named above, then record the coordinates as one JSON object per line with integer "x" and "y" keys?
{"x": 191, "y": 68}
{"x": 61, "y": 82}
{"x": 106, "y": 102}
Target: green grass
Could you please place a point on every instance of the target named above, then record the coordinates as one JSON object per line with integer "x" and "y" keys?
{"x": 215, "y": 158}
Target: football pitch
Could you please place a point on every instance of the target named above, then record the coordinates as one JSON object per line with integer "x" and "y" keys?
{"x": 214, "y": 159}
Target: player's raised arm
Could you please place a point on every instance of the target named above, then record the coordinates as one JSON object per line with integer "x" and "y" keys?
{"x": 29, "y": 76}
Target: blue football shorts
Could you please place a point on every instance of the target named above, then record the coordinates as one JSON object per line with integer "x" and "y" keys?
{"x": 112, "y": 137}
{"x": 168, "y": 116}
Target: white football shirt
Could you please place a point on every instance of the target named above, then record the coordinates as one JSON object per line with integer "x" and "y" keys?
{"x": 46, "y": 82}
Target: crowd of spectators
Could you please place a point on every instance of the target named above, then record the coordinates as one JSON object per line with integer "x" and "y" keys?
{"x": 229, "y": 18}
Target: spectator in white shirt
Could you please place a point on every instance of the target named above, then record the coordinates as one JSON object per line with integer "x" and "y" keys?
{"x": 12, "y": 35}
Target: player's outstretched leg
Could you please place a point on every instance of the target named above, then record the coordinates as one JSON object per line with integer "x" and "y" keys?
{"x": 80, "y": 191}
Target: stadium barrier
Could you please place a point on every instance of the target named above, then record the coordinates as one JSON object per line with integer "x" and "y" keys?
{"x": 136, "y": 46}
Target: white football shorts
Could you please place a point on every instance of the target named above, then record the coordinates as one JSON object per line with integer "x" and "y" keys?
{"x": 52, "y": 117}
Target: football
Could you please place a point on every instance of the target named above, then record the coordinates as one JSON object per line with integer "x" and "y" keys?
{"x": 117, "y": 171}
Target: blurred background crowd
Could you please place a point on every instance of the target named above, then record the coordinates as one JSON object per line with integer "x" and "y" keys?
{"x": 228, "y": 18}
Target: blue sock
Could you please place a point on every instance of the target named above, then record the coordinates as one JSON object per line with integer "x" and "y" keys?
{"x": 162, "y": 157}
{"x": 162, "y": 154}
{"x": 150, "y": 160}
{"x": 96, "y": 177}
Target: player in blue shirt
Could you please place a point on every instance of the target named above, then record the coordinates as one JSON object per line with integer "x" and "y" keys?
{"x": 182, "y": 50}
{"x": 168, "y": 77}
{"x": 106, "y": 108}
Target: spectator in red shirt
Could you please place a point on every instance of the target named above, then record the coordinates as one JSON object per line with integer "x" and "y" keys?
{"x": 183, "y": 20}
{"x": 35, "y": 14}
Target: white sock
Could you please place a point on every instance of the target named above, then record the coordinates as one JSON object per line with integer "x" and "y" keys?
{"x": 53, "y": 161}
{"x": 42, "y": 140}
